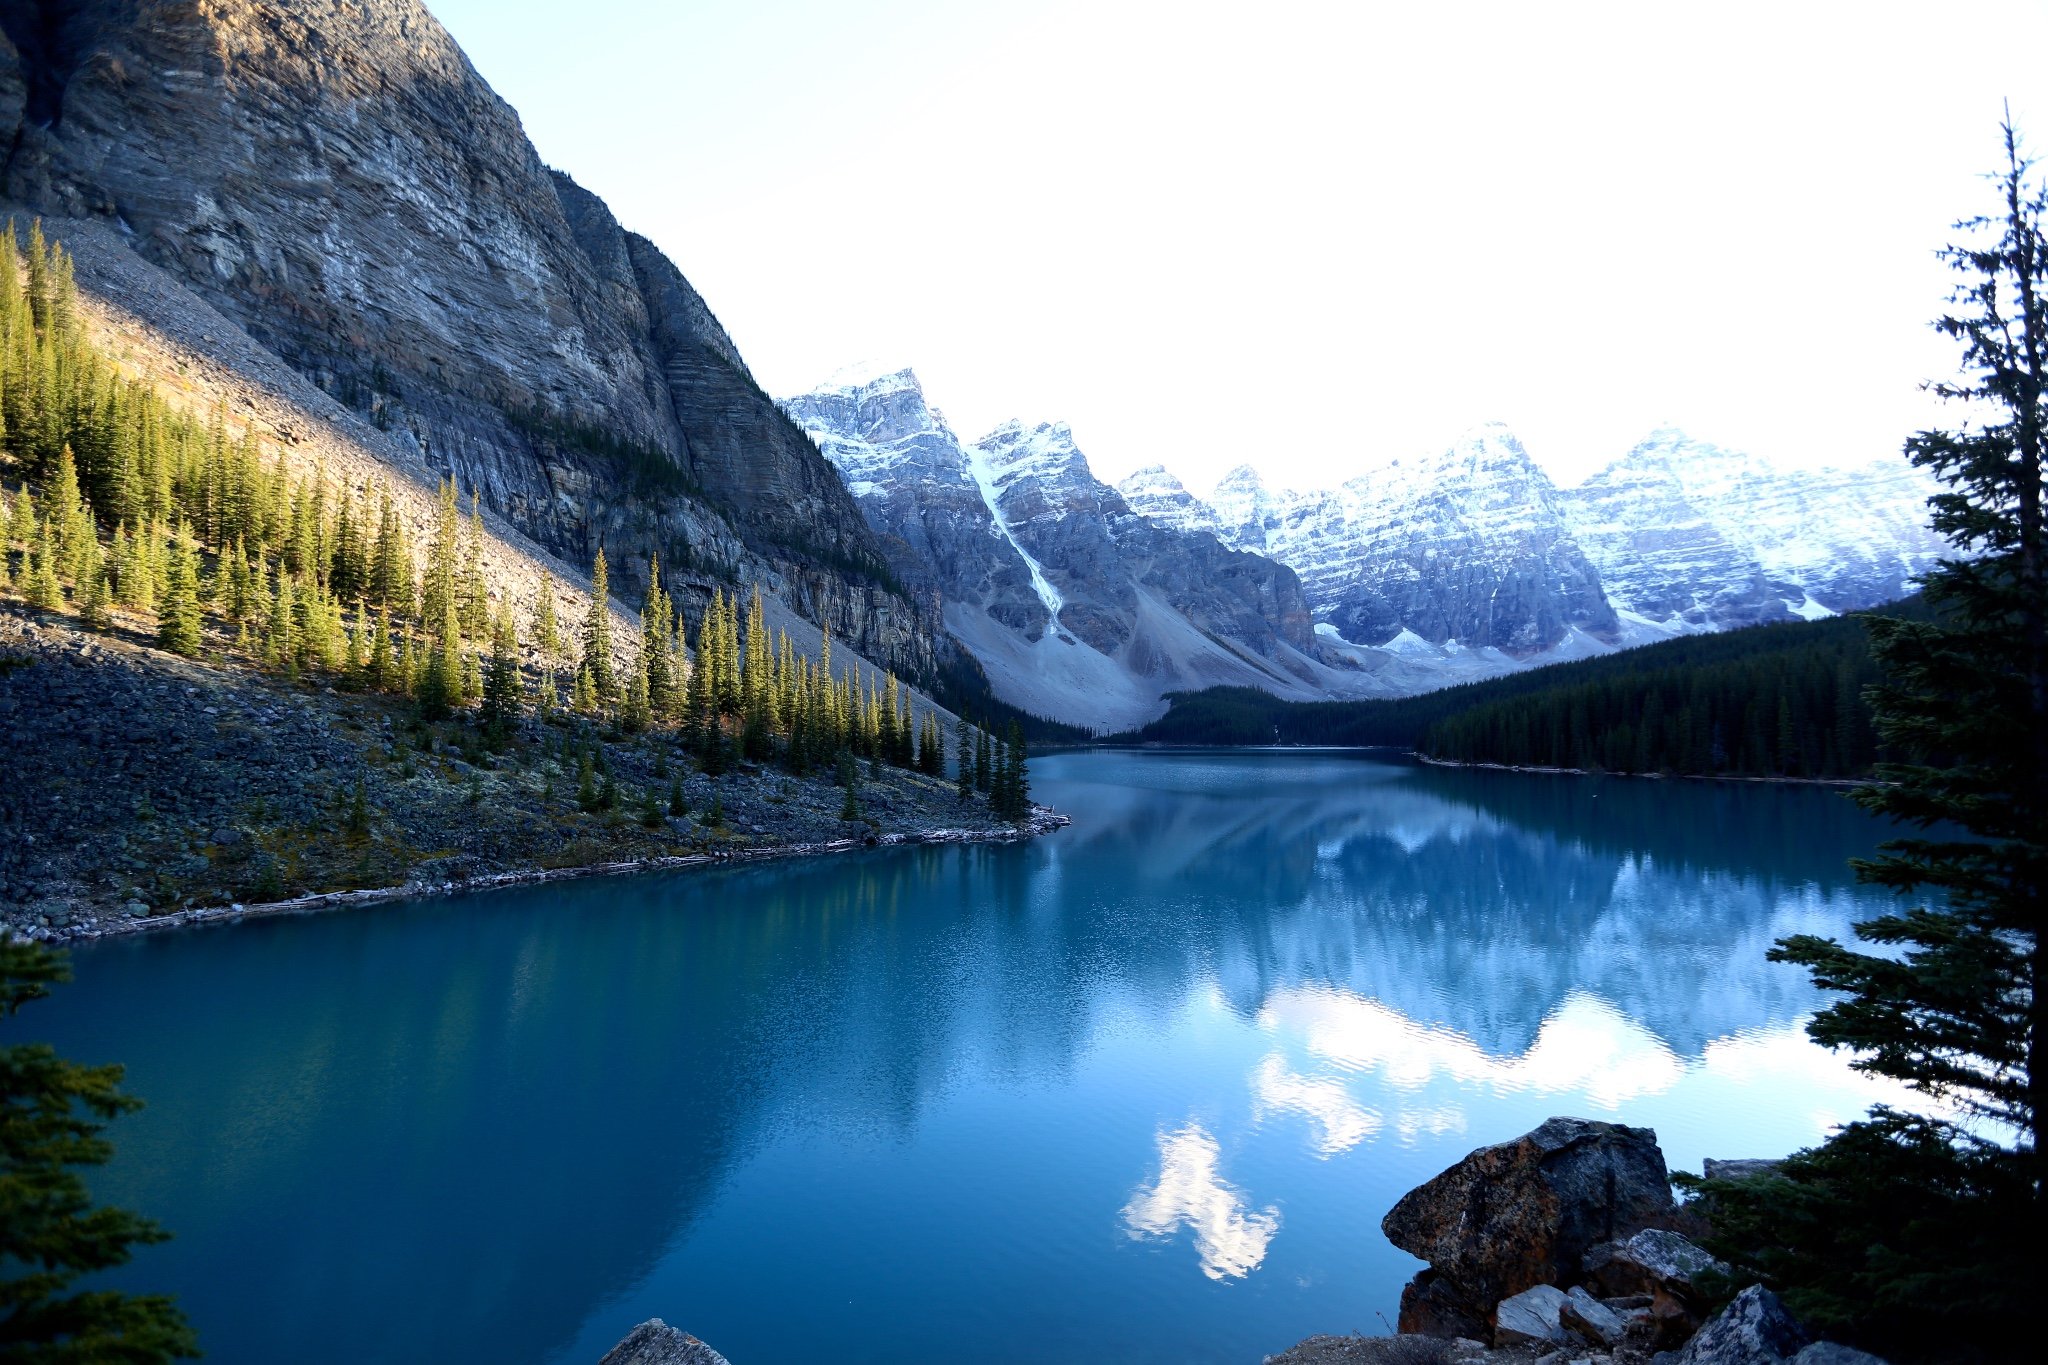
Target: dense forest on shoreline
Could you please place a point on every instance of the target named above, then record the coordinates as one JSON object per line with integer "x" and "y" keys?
{"x": 1781, "y": 700}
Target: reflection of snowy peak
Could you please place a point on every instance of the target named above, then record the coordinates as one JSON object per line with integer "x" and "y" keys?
{"x": 1075, "y": 607}
{"x": 1473, "y": 546}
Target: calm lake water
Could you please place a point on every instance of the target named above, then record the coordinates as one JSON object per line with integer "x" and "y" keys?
{"x": 1139, "y": 1091}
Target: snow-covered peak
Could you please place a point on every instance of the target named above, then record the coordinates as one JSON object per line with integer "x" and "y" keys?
{"x": 1045, "y": 451}
{"x": 873, "y": 424}
{"x": 1155, "y": 493}
{"x": 1153, "y": 480}
{"x": 1239, "y": 482}
{"x": 872, "y": 377}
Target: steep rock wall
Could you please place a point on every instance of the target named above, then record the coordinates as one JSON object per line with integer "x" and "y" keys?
{"x": 334, "y": 177}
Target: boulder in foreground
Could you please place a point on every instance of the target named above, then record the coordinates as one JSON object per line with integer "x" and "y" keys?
{"x": 1524, "y": 1213}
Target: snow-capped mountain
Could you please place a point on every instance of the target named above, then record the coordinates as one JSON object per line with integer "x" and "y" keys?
{"x": 1088, "y": 603}
{"x": 1695, "y": 536}
{"x": 1076, "y": 607}
{"x": 1470, "y": 544}
{"x": 1474, "y": 546}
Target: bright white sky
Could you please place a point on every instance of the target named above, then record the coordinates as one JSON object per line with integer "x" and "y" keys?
{"x": 1289, "y": 234}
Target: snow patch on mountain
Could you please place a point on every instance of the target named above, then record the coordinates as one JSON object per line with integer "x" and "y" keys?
{"x": 986, "y": 479}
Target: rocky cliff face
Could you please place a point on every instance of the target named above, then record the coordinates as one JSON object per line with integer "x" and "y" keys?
{"x": 335, "y": 178}
{"x": 1076, "y": 607}
{"x": 1468, "y": 544}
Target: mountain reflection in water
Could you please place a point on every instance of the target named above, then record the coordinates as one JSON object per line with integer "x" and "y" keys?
{"x": 1140, "y": 1090}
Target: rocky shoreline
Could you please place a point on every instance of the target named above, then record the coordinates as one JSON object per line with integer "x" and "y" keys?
{"x": 149, "y": 791}
{"x": 1042, "y": 820}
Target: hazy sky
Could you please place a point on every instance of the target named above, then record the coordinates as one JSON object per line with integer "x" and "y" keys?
{"x": 1291, "y": 233}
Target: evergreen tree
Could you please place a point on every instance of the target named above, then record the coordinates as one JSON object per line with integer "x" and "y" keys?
{"x": 656, "y": 618}
{"x": 635, "y": 714}
{"x": 439, "y": 589}
{"x": 438, "y": 689}
{"x": 52, "y": 1115}
{"x": 964, "y": 748}
{"x": 597, "y": 633}
{"x": 41, "y": 585}
{"x": 94, "y": 597}
{"x": 500, "y": 711}
{"x": 1913, "y": 1231}
{"x": 178, "y": 618}
{"x": 475, "y": 595}
{"x": 547, "y": 628}
{"x": 1020, "y": 776}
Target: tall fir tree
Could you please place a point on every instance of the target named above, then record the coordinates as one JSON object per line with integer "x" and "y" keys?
{"x": 597, "y": 633}
{"x": 179, "y": 624}
{"x": 500, "y": 709}
{"x": 547, "y": 627}
{"x": 1919, "y": 1233}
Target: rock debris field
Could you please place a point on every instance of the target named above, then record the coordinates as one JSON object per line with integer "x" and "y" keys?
{"x": 142, "y": 789}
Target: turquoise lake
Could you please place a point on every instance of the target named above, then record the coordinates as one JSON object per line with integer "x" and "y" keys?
{"x": 1137, "y": 1091}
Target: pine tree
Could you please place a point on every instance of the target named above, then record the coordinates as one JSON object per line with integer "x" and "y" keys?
{"x": 55, "y": 1114}
{"x": 438, "y": 689}
{"x": 500, "y": 711}
{"x": 22, "y": 521}
{"x": 634, "y": 715}
{"x": 475, "y": 595}
{"x": 656, "y": 616}
{"x": 178, "y": 618}
{"x": 1019, "y": 775}
{"x": 547, "y": 628}
{"x": 438, "y": 591}
{"x": 383, "y": 664}
{"x": 94, "y": 597}
{"x": 964, "y": 748}
{"x": 40, "y": 584}
{"x": 582, "y": 696}
{"x": 597, "y": 633}
{"x": 1905, "y": 1229}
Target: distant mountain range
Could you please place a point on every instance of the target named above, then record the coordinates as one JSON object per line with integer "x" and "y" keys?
{"x": 1087, "y": 602}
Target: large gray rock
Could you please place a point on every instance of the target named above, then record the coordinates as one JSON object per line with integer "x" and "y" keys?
{"x": 1650, "y": 1262}
{"x": 1834, "y": 1353}
{"x": 1524, "y": 1213}
{"x": 1532, "y": 1316}
{"x": 1589, "y": 1318}
{"x": 1665, "y": 1266}
{"x": 1755, "y": 1329}
{"x": 654, "y": 1342}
